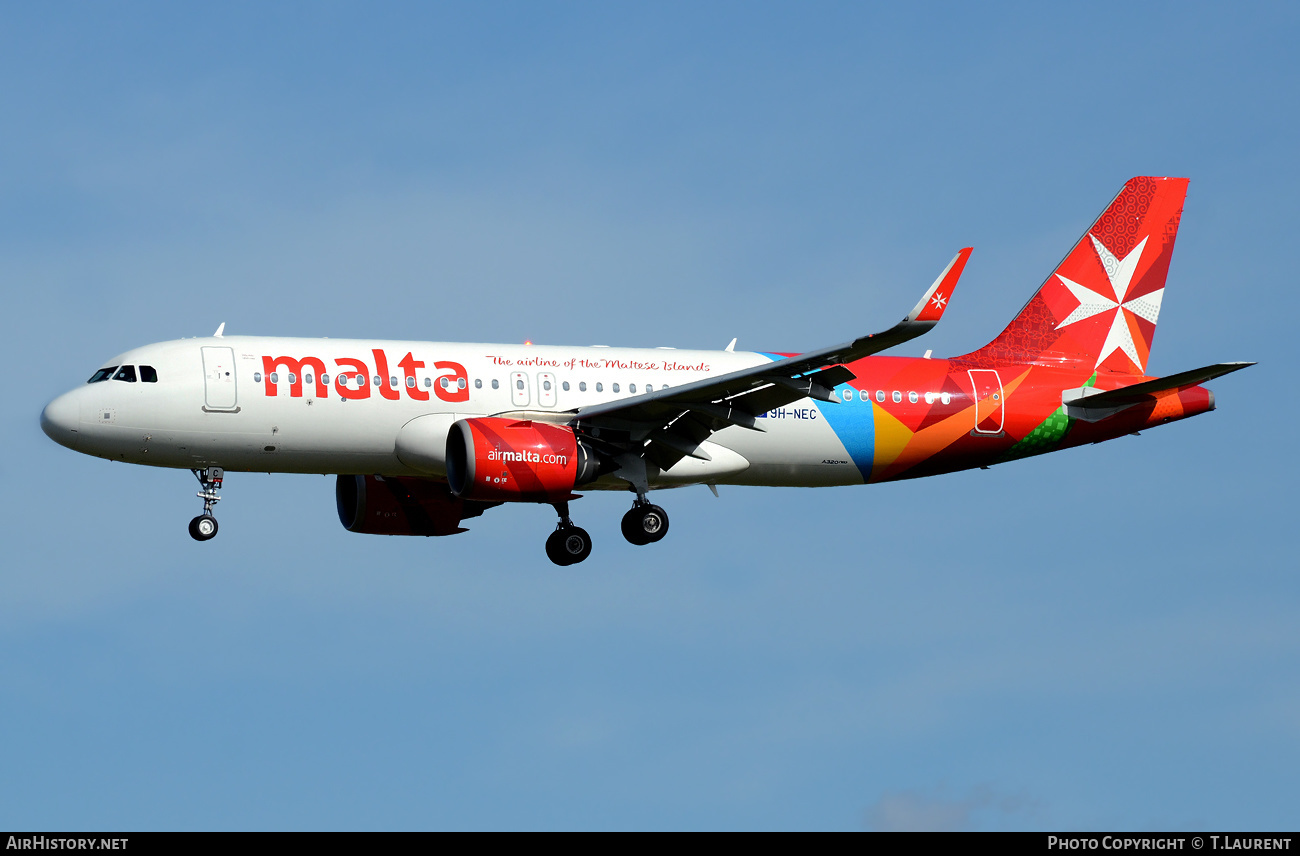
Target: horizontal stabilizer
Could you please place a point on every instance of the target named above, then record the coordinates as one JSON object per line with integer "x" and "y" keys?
{"x": 1139, "y": 392}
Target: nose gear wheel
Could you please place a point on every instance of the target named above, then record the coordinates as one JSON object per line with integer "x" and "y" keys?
{"x": 203, "y": 527}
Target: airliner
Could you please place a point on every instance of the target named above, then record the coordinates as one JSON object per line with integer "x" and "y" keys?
{"x": 423, "y": 436}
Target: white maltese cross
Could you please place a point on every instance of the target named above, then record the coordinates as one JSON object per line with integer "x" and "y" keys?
{"x": 1120, "y": 273}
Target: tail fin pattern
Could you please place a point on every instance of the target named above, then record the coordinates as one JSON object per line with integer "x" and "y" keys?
{"x": 1098, "y": 309}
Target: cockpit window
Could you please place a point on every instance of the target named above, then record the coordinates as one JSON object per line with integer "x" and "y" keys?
{"x": 102, "y": 374}
{"x": 126, "y": 373}
{"x": 148, "y": 375}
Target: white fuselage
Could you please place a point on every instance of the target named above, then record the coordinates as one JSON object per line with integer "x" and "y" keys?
{"x": 268, "y": 404}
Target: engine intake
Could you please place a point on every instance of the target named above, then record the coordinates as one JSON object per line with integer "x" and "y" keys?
{"x": 508, "y": 460}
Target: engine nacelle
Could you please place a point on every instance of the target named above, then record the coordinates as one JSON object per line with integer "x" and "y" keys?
{"x": 509, "y": 460}
{"x": 401, "y": 506}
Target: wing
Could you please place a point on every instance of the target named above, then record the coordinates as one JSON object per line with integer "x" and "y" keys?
{"x": 669, "y": 424}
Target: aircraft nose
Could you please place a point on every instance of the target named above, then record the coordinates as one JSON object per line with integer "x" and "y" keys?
{"x": 61, "y": 418}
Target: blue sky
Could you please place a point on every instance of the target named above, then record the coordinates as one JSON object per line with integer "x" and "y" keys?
{"x": 1103, "y": 638}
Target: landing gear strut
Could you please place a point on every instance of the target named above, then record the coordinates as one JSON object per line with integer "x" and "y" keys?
{"x": 204, "y": 527}
{"x": 645, "y": 523}
{"x": 568, "y": 544}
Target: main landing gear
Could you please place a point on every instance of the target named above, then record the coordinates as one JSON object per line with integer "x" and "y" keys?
{"x": 204, "y": 527}
{"x": 645, "y": 523}
{"x": 568, "y": 544}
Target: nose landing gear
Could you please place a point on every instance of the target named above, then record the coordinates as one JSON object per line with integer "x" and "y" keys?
{"x": 568, "y": 544}
{"x": 645, "y": 523}
{"x": 204, "y": 527}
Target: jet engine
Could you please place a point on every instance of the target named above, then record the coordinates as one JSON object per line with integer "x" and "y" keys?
{"x": 509, "y": 460}
{"x": 376, "y": 505}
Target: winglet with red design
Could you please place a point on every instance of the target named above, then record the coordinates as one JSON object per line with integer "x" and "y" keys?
{"x": 936, "y": 299}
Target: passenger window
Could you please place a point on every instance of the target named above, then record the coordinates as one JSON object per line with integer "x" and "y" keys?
{"x": 306, "y": 378}
{"x": 126, "y": 373}
{"x": 600, "y": 387}
{"x": 410, "y": 382}
{"x": 102, "y": 374}
{"x": 519, "y": 384}
{"x": 848, "y": 395}
{"x": 911, "y": 396}
{"x": 428, "y": 382}
{"x": 461, "y": 383}
{"x": 880, "y": 396}
{"x": 546, "y": 385}
{"x": 275, "y": 377}
{"x": 565, "y": 386}
{"x": 392, "y": 381}
{"x": 495, "y": 384}
{"x": 325, "y": 379}
{"x": 293, "y": 378}
{"x": 945, "y": 397}
{"x": 898, "y": 396}
{"x": 614, "y": 387}
{"x": 863, "y": 395}
{"x": 929, "y": 398}
{"x": 478, "y": 383}
{"x": 649, "y": 388}
{"x": 631, "y": 387}
{"x": 148, "y": 375}
{"x": 582, "y": 386}
{"x": 257, "y": 377}
{"x": 378, "y": 381}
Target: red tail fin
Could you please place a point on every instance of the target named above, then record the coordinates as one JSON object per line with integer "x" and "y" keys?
{"x": 1099, "y": 307}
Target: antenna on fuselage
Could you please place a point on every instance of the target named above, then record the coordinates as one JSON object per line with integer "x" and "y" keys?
{"x": 220, "y": 330}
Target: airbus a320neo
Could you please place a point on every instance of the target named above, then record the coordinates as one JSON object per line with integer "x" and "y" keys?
{"x": 425, "y": 435}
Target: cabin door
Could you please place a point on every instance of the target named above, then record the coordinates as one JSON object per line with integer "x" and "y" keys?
{"x": 219, "y": 378}
{"x": 988, "y": 400}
